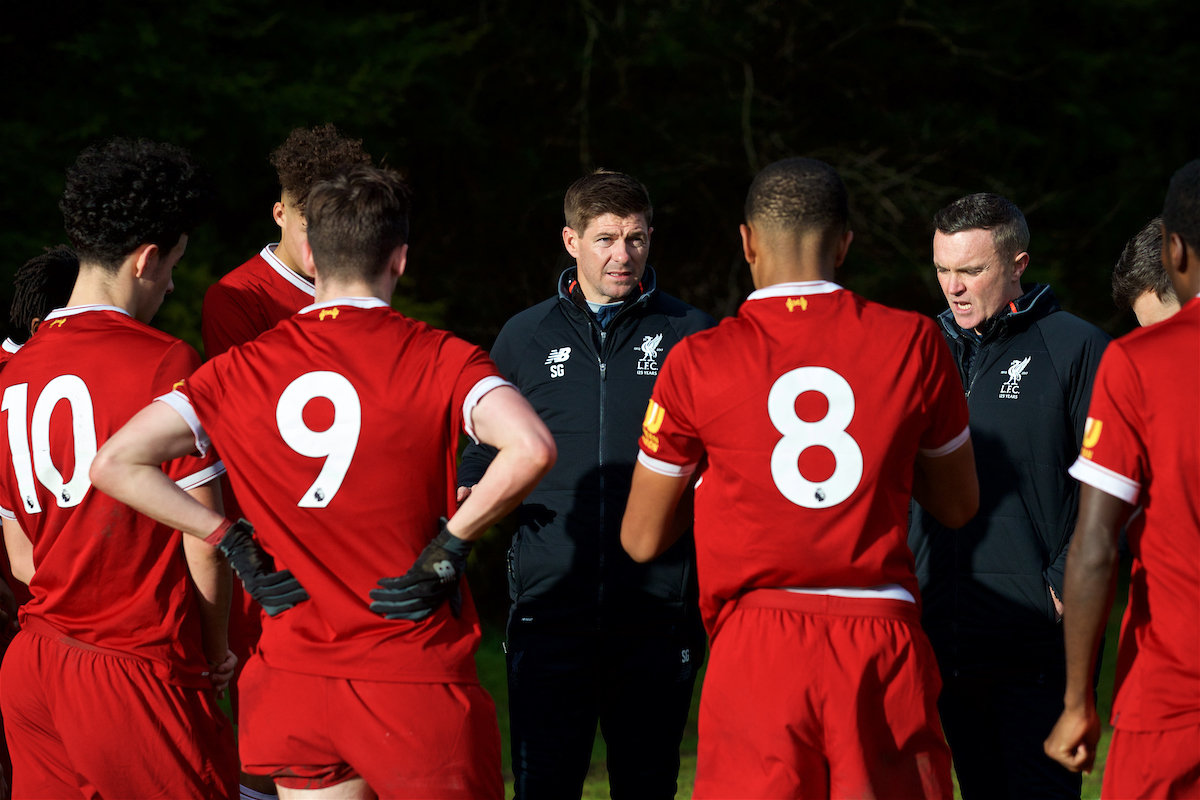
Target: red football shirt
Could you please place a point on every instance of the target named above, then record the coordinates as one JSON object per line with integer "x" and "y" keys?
{"x": 1142, "y": 444}
{"x": 104, "y": 574}
{"x": 251, "y": 300}
{"x": 807, "y": 411}
{"x": 8, "y": 349}
{"x": 340, "y": 426}
{"x": 20, "y": 591}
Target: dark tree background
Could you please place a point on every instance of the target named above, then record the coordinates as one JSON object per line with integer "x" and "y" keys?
{"x": 1078, "y": 112}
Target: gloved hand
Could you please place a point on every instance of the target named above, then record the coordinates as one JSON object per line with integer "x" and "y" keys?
{"x": 432, "y": 580}
{"x": 275, "y": 591}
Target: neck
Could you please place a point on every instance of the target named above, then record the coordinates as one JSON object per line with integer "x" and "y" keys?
{"x": 97, "y": 286}
{"x": 327, "y": 290}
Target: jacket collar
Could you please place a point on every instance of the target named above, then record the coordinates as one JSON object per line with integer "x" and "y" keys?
{"x": 570, "y": 293}
{"x": 1037, "y": 302}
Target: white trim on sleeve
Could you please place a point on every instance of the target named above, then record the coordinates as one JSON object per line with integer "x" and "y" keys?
{"x": 178, "y": 401}
{"x": 6, "y": 514}
{"x": 10, "y": 346}
{"x": 949, "y": 447}
{"x": 1104, "y": 479}
{"x": 197, "y": 479}
{"x": 665, "y": 467}
{"x": 474, "y": 396}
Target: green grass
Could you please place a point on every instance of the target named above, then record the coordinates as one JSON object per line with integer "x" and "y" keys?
{"x": 490, "y": 663}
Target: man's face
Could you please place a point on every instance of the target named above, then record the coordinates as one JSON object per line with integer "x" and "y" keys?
{"x": 160, "y": 281}
{"x": 611, "y": 254}
{"x": 293, "y": 232}
{"x": 1149, "y": 308}
{"x": 976, "y": 281}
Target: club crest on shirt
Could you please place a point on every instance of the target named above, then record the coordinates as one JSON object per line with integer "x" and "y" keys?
{"x": 557, "y": 358}
{"x": 648, "y": 363}
{"x": 1011, "y": 389}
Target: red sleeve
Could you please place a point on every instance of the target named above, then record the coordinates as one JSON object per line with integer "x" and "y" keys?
{"x": 174, "y": 369}
{"x": 226, "y": 321}
{"x": 670, "y": 445}
{"x": 475, "y": 375}
{"x": 946, "y": 403}
{"x": 1113, "y": 458}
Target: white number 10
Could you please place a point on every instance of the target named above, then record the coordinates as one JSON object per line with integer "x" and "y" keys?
{"x": 67, "y": 493}
{"x": 336, "y": 444}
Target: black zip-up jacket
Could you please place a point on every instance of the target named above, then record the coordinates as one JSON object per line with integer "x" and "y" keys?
{"x": 566, "y": 567}
{"x": 984, "y": 587}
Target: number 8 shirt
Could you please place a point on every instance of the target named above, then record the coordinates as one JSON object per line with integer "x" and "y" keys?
{"x": 340, "y": 429}
{"x": 805, "y": 412}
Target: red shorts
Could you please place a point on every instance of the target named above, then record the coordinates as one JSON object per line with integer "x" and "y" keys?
{"x": 87, "y": 722}
{"x": 406, "y": 740}
{"x": 818, "y": 696}
{"x": 1160, "y": 764}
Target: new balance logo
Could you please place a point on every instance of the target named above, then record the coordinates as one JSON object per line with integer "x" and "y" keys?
{"x": 556, "y": 360}
{"x": 558, "y": 356}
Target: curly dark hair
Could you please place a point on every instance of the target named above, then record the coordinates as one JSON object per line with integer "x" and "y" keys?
{"x": 123, "y": 193}
{"x": 43, "y": 283}
{"x": 313, "y": 154}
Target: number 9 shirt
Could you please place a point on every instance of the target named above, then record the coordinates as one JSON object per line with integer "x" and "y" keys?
{"x": 804, "y": 413}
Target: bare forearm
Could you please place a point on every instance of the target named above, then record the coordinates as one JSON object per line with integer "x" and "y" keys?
{"x": 509, "y": 478}
{"x": 214, "y": 591}
{"x": 1089, "y": 586}
{"x": 149, "y": 490}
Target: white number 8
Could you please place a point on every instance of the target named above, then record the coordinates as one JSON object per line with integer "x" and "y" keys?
{"x": 336, "y": 444}
{"x": 799, "y": 435}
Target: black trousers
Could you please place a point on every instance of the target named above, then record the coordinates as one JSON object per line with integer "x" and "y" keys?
{"x": 995, "y": 723}
{"x": 638, "y": 686}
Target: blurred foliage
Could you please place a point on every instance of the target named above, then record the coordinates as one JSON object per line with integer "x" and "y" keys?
{"x": 1078, "y": 112}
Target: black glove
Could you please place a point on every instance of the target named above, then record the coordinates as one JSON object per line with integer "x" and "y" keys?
{"x": 432, "y": 580}
{"x": 275, "y": 591}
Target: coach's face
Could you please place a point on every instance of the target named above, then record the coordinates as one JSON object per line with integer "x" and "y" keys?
{"x": 976, "y": 280}
{"x": 611, "y": 255}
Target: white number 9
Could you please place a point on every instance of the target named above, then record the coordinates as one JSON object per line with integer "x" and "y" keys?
{"x": 336, "y": 444}
{"x": 799, "y": 435}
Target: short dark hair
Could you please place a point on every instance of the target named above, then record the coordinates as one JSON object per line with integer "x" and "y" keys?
{"x": 313, "y": 154}
{"x": 123, "y": 193}
{"x": 989, "y": 212}
{"x": 797, "y": 195}
{"x": 1140, "y": 268}
{"x": 1181, "y": 210}
{"x": 43, "y": 283}
{"x": 605, "y": 192}
{"x": 356, "y": 219}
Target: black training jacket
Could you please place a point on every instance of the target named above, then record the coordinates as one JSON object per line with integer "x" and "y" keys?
{"x": 984, "y": 586}
{"x": 566, "y": 567}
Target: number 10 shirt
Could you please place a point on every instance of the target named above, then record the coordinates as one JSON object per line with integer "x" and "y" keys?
{"x": 340, "y": 429}
{"x": 805, "y": 413}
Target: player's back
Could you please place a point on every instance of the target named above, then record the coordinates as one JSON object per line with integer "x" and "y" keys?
{"x": 811, "y": 406}
{"x": 104, "y": 574}
{"x": 250, "y": 300}
{"x": 1155, "y": 371}
{"x": 341, "y": 427}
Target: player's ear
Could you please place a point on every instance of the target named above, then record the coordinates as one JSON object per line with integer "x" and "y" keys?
{"x": 306, "y": 256}
{"x": 145, "y": 259}
{"x": 34, "y": 324}
{"x": 570, "y": 241}
{"x": 277, "y": 213}
{"x": 398, "y": 261}
{"x": 749, "y": 245}
{"x": 843, "y": 247}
